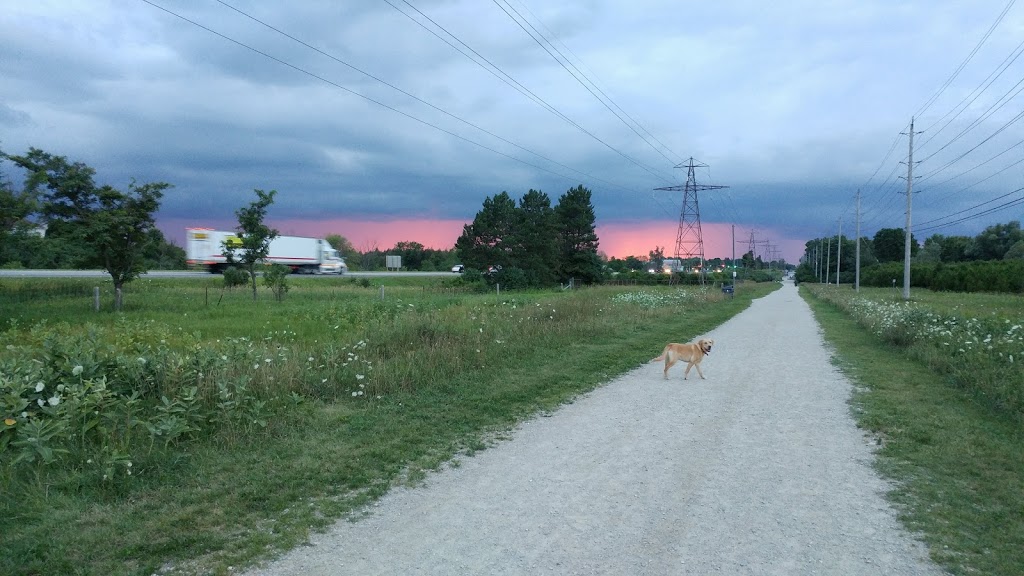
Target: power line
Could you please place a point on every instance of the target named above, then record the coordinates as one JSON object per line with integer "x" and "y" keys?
{"x": 534, "y": 35}
{"x": 350, "y": 91}
{"x": 966, "y": 60}
{"x": 532, "y": 96}
{"x": 414, "y": 97}
{"x": 1004, "y": 206}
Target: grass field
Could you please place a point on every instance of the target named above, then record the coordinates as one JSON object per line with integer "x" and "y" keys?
{"x": 191, "y": 432}
{"x": 954, "y": 453}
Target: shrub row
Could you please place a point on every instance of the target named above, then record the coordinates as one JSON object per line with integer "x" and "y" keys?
{"x": 987, "y": 276}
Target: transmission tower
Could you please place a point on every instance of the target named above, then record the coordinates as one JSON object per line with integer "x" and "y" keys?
{"x": 689, "y": 242}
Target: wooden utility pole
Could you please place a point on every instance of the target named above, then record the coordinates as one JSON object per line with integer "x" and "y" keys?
{"x": 910, "y": 193}
{"x": 856, "y": 274}
{"x": 839, "y": 250}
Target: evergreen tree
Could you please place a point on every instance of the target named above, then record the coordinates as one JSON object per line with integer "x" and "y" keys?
{"x": 577, "y": 239}
{"x": 535, "y": 248}
{"x": 489, "y": 240}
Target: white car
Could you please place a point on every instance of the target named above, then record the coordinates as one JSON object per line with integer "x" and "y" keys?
{"x": 458, "y": 268}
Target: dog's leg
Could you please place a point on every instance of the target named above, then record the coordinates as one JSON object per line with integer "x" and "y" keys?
{"x": 669, "y": 361}
{"x": 699, "y": 372}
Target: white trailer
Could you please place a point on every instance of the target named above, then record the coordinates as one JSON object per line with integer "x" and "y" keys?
{"x": 204, "y": 248}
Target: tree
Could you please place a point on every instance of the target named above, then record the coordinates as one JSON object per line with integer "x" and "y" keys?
{"x": 254, "y": 236}
{"x": 412, "y": 253}
{"x": 888, "y": 245}
{"x": 577, "y": 239}
{"x": 1015, "y": 252}
{"x": 656, "y": 258}
{"x": 994, "y": 241}
{"x": 66, "y": 193}
{"x": 122, "y": 228}
{"x": 345, "y": 248}
{"x": 534, "y": 248}
{"x": 94, "y": 226}
{"x": 489, "y": 239}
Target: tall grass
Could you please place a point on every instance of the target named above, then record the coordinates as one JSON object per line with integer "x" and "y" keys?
{"x": 976, "y": 341}
{"x": 195, "y": 435}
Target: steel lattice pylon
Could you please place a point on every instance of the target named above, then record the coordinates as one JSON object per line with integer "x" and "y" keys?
{"x": 689, "y": 241}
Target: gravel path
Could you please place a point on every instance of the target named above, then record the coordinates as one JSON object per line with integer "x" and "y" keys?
{"x": 757, "y": 470}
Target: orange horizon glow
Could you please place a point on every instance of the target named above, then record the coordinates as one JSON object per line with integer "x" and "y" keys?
{"x": 616, "y": 239}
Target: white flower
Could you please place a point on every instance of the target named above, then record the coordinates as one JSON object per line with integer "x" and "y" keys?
{"x": 256, "y": 366}
{"x": 54, "y": 400}
{"x": 360, "y": 376}
{"x": 310, "y": 359}
{"x": 354, "y": 394}
{"x": 224, "y": 357}
{"x": 324, "y": 381}
{"x": 24, "y": 414}
{"x": 77, "y": 370}
{"x": 40, "y": 386}
{"x": 267, "y": 360}
{"x": 40, "y": 402}
{"x": 142, "y": 360}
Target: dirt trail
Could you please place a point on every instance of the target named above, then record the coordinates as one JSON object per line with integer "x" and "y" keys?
{"x": 757, "y": 470}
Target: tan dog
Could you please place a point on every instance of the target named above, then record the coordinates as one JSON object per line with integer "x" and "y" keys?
{"x": 692, "y": 354}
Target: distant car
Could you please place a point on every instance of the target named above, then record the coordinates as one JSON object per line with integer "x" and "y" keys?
{"x": 458, "y": 268}
{"x": 494, "y": 269}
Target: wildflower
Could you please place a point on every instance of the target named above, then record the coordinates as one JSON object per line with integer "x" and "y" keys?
{"x": 54, "y": 400}
{"x": 142, "y": 360}
{"x": 40, "y": 386}
{"x": 256, "y": 366}
{"x": 354, "y": 394}
{"x": 40, "y": 402}
{"x": 224, "y": 357}
{"x": 10, "y": 421}
{"x": 25, "y": 414}
{"x": 324, "y": 381}
{"x": 268, "y": 360}
{"x": 1011, "y": 358}
{"x": 360, "y": 376}
{"x": 77, "y": 370}
{"x": 310, "y": 359}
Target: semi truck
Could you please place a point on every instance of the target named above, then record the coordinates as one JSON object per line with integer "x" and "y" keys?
{"x": 205, "y": 249}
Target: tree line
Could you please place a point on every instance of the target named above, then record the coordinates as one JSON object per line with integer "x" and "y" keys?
{"x": 954, "y": 256}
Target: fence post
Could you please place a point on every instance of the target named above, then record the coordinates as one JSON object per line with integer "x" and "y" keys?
{"x": 498, "y": 288}
{"x": 382, "y": 292}
{"x": 96, "y": 298}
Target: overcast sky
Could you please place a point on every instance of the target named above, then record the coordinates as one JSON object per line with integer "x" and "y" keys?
{"x": 386, "y": 120}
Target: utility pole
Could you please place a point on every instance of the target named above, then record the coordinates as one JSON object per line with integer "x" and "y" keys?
{"x": 856, "y": 276}
{"x": 910, "y": 193}
{"x": 689, "y": 241}
{"x": 734, "y": 258}
{"x": 839, "y": 250}
{"x": 821, "y": 246}
{"x": 828, "y": 260}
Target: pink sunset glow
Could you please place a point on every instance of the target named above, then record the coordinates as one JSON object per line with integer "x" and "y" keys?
{"x": 617, "y": 239}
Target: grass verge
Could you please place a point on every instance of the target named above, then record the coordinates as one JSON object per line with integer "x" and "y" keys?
{"x": 957, "y": 466}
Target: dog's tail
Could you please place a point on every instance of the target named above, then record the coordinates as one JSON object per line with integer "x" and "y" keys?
{"x": 663, "y": 353}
